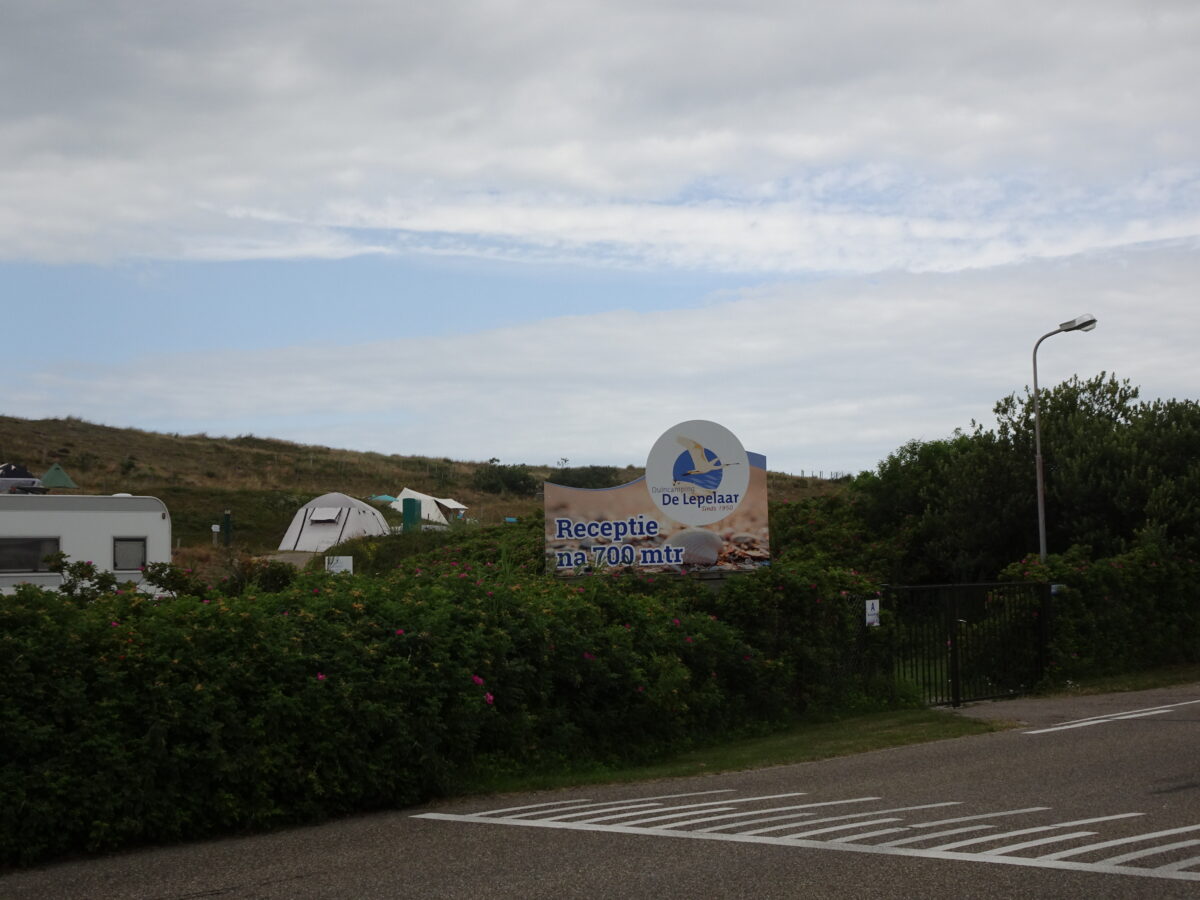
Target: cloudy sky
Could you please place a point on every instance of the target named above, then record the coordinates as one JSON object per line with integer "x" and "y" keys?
{"x": 536, "y": 230}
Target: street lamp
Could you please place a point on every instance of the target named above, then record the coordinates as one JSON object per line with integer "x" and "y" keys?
{"x": 1086, "y": 322}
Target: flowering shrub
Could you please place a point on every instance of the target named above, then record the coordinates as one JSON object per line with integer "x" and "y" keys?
{"x": 276, "y": 699}
{"x": 805, "y": 622}
{"x": 132, "y": 717}
{"x": 82, "y": 580}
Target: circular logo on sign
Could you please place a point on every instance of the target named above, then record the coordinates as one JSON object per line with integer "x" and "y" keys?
{"x": 697, "y": 472}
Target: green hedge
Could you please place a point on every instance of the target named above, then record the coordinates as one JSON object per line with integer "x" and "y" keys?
{"x": 126, "y": 719}
{"x": 806, "y": 621}
{"x": 1123, "y": 614}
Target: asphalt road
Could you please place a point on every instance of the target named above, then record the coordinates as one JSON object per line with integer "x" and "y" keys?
{"x": 1090, "y": 797}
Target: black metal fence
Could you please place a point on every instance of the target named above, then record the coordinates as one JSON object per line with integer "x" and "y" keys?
{"x": 961, "y": 642}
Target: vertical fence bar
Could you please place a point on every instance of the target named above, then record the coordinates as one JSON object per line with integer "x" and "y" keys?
{"x": 953, "y": 633}
{"x": 939, "y": 656}
{"x": 958, "y": 643}
{"x": 1046, "y": 604}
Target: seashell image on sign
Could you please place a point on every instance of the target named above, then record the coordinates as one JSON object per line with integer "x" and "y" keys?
{"x": 701, "y": 506}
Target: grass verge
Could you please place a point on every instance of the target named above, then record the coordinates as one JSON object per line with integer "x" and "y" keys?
{"x": 1132, "y": 681}
{"x": 812, "y": 739}
{"x": 805, "y": 741}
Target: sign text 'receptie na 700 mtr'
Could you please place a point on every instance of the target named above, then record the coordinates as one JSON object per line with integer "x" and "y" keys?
{"x": 701, "y": 505}
{"x": 617, "y": 553}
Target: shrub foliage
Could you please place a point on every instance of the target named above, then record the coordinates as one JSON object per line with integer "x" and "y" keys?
{"x": 1125, "y": 613}
{"x": 1117, "y": 472}
{"x": 128, "y": 718}
{"x": 494, "y": 478}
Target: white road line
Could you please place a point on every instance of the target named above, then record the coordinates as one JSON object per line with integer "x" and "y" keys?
{"x": 1156, "y": 712}
{"x": 1176, "y": 874}
{"x": 1139, "y": 710}
{"x": 1025, "y": 845}
{"x": 746, "y": 812}
{"x": 870, "y": 834}
{"x": 845, "y": 827}
{"x": 994, "y": 815}
{"x": 675, "y": 810}
{"x": 1119, "y": 841}
{"x": 874, "y": 812}
{"x": 788, "y": 816}
{"x": 742, "y": 815}
{"x": 606, "y": 809}
{"x": 1152, "y": 851}
{"x": 1180, "y": 866}
{"x": 1104, "y": 721}
{"x": 933, "y": 834}
{"x": 581, "y": 803}
{"x": 1003, "y": 834}
{"x": 672, "y": 815}
{"x": 1111, "y": 717}
{"x": 767, "y": 797}
{"x": 561, "y": 804}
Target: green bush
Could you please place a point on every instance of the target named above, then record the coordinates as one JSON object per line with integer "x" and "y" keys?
{"x": 517, "y": 546}
{"x": 280, "y": 697}
{"x": 493, "y": 478}
{"x": 805, "y": 623}
{"x": 129, "y": 718}
{"x": 591, "y": 477}
{"x": 1123, "y": 614}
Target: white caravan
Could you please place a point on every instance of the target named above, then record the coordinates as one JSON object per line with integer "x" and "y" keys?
{"x": 117, "y": 533}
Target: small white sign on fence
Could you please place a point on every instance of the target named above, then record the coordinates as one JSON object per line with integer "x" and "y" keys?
{"x": 873, "y": 612}
{"x": 339, "y": 564}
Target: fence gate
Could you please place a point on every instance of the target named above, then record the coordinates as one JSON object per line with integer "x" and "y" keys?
{"x": 962, "y": 642}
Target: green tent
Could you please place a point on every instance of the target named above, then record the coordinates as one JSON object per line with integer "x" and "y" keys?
{"x": 56, "y": 477}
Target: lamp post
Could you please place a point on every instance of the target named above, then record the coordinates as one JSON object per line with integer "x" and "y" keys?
{"x": 1086, "y": 322}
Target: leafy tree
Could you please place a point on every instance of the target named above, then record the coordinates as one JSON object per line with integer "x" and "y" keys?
{"x": 1117, "y": 472}
{"x": 1094, "y": 493}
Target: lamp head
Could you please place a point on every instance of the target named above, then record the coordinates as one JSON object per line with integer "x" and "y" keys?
{"x": 1086, "y": 322}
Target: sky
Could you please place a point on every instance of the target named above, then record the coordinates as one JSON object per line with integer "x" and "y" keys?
{"x": 538, "y": 231}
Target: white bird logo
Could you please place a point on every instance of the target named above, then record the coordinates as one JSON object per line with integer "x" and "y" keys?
{"x": 701, "y": 464}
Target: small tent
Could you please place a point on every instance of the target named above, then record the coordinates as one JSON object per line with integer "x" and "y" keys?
{"x": 57, "y": 477}
{"x": 439, "y": 510}
{"x": 331, "y": 519}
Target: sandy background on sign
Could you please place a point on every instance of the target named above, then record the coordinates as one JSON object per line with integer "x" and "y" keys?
{"x": 745, "y": 539}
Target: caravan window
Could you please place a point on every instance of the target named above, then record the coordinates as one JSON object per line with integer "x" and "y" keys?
{"x": 129, "y": 553}
{"x": 26, "y": 554}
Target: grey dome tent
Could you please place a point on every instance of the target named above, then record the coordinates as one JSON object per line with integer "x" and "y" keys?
{"x": 330, "y": 519}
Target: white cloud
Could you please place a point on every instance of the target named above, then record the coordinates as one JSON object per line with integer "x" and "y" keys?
{"x": 751, "y": 136}
{"x": 933, "y": 185}
{"x": 829, "y": 375}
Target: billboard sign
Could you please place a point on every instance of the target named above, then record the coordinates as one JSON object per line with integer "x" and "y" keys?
{"x": 702, "y": 505}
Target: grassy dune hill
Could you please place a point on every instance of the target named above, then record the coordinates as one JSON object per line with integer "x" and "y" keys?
{"x": 262, "y": 480}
